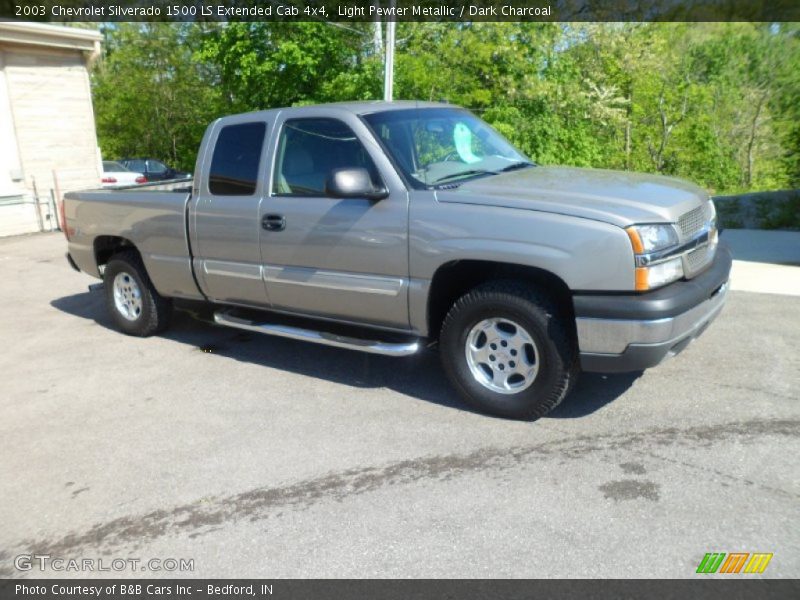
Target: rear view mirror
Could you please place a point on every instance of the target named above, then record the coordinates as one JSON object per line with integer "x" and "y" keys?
{"x": 353, "y": 183}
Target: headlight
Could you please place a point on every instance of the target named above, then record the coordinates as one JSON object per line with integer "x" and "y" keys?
{"x": 650, "y": 238}
{"x": 649, "y": 242}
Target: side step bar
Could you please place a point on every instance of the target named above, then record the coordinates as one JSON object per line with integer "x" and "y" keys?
{"x": 319, "y": 337}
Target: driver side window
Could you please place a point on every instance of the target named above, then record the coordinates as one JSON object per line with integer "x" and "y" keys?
{"x": 310, "y": 149}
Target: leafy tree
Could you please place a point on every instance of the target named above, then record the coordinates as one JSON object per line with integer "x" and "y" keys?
{"x": 264, "y": 65}
{"x": 712, "y": 102}
{"x": 151, "y": 98}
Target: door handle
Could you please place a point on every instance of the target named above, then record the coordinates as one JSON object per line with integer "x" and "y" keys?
{"x": 273, "y": 222}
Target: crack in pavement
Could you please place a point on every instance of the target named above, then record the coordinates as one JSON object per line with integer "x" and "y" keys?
{"x": 209, "y": 514}
{"x": 755, "y": 390}
{"x": 721, "y": 475}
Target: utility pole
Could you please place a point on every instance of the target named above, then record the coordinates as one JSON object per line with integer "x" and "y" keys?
{"x": 388, "y": 73}
{"x": 377, "y": 33}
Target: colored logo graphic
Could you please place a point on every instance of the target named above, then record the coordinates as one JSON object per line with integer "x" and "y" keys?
{"x": 736, "y": 562}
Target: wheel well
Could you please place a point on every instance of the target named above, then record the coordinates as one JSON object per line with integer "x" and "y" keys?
{"x": 106, "y": 246}
{"x": 453, "y": 280}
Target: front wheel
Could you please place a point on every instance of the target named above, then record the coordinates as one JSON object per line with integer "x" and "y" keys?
{"x": 132, "y": 300}
{"x": 509, "y": 350}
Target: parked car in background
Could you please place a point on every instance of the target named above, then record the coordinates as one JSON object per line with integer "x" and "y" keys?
{"x": 153, "y": 169}
{"x": 117, "y": 175}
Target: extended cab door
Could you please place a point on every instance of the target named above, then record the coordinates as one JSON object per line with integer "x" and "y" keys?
{"x": 339, "y": 258}
{"x": 225, "y": 217}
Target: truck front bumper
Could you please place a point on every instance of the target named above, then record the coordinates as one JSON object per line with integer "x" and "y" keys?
{"x": 631, "y": 332}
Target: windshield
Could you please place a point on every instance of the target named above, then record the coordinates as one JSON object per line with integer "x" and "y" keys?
{"x": 434, "y": 146}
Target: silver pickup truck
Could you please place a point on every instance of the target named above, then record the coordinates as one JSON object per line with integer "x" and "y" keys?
{"x": 386, "y": 227}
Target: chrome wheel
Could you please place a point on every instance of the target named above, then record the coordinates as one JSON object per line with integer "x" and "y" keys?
{"x": 502, "y": 356}
{"x": 127, "y": 296}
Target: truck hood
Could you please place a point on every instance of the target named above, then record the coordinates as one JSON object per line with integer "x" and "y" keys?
{"x": 616, "y": 197}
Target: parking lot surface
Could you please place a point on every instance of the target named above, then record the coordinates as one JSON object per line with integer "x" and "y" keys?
{"x": 263, "y": 457}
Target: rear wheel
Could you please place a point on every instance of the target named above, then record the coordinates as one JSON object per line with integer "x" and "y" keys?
{"x": 131, "y": 299}
{"x": 509, "y": 350}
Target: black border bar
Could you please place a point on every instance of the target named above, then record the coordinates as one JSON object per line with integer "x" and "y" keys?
{"x": 401, "y": 10}
{"x": 731, "y": 588}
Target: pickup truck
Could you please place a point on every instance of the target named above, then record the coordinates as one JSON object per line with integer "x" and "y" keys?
{"x": 389, "y": 227}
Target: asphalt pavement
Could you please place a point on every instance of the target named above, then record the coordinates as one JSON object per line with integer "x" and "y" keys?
{"x": 261, "y": 457}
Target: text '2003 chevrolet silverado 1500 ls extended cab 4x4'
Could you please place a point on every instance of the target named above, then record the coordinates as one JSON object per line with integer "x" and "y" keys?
{"x": 378, "y": 226}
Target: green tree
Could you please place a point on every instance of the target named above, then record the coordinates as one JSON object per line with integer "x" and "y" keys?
{"x": 265, "y": 65}
{"x": 713, "y": 102}
{"x": 151, "y": 98}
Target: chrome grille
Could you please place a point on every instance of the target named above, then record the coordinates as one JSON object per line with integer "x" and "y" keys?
{"x": 698, "y": 258}
{"x": 691, "y": 225}
{"x": 692, "y": 222}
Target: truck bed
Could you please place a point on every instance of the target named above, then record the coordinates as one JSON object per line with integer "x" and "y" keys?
{"x": 152, "y": 217}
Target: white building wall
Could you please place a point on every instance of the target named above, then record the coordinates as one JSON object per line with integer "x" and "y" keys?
{"x": 10, "y": 167}
{"x": 47, "y": 127}
{"x": 52, "y": 107}
{"x": 17, "y": 211}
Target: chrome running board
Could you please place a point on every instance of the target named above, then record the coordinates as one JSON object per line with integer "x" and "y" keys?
{"x": 319, "y": 337}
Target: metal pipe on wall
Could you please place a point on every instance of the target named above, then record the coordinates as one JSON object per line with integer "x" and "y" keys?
{"x": 36, "y": 207}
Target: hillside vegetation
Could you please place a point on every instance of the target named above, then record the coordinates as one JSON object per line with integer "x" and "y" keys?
{"x": 712, "y": 102}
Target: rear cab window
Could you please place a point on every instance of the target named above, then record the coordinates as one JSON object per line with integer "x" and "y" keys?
{"x": 235, "y": 163}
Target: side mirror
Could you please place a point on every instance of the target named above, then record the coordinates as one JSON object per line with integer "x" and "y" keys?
{"x": 353, "y": 183}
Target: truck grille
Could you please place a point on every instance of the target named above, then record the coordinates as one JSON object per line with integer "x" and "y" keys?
{"x": 692, "y": 222}
{"x": 700, "y": 257}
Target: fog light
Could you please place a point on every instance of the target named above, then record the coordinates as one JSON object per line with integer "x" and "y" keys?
{"x": 654, "y": 276}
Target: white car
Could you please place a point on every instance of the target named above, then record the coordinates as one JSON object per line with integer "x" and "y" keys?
{"x": 116, "y": 175}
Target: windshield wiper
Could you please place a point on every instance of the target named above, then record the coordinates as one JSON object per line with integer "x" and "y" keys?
{"x": 464, "y": 174}
{"x": 517, "y": 165}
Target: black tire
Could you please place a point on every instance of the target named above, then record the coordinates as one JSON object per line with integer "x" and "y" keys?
{"x": 545, "y": 323}
{"x": 152, "y": 314}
